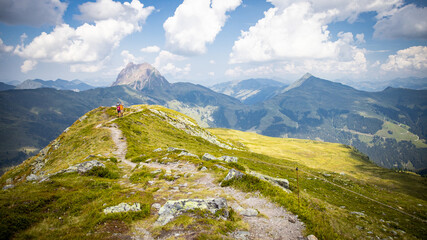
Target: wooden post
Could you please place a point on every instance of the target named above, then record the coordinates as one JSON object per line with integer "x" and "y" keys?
{"x": 298, "y": 188}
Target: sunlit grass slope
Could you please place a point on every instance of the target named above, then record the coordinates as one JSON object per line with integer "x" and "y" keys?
{"x": 69, "y": 206}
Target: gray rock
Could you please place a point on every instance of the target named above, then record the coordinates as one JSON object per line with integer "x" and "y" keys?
{"x": 233, "y": 174}
{"x": 9, "y": 181}
{"x": 86, "y": 166}
{"x": 220, "y": 167}
{"x": 156, "y": 171}
{"x": 175, "y": 208}
{"x": 203, "y": 168}
{"x": 249, "y": 212}
{"x": 284, "y": 183}
{"x": 158, "y": 150}
{"x": 358, "y": 214}
{"x": 228, "y": 159}
{"x": 156, "y": 205}
{"x": 32, "y": 177}
{"x": 311, "y": 237}
{"x": 326, "y": 174}
{"x": 292, "y": 219}
{"x": 123, "y": 207}
{"x": 185, "y": 153}
{"x": 9, "y": 186}
{"x": 208, "y": 157}
{"x": 172, "y": 149}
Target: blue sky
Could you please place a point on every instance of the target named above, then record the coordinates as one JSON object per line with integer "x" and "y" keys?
{"x": 211, "y": 41}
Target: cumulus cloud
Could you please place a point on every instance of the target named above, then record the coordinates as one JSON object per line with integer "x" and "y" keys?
{"x": 151, "y": 49}
{"x": 32, "y": 12}
{"x": 276, "y": 45}
{"x": 196, "y": 23}
{"x": 28, "y": 66}
{"x": 5, "y": 48}
{"x": 166, "y": 62}
{"x": 413, "y": 59}
{"x": 406, "y": 22}
{"x": 87, "y": 46}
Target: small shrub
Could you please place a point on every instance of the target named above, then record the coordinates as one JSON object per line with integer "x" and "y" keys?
{"x": 102, "y": 172}
{"x": 113, "y": 159}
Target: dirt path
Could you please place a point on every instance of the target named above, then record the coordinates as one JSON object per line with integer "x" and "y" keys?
{"x": 120, "y": 141}
{"x": 272, "y": 222}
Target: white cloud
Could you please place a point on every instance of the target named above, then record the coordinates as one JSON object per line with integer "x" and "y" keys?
{"x": 28, "y": 65}
{"x": 109, "y": 9}
{"x": 212, "y": 61}
{"x": 166, "y": 63}
{"x": 129, "y": 57}
{"x": 360, "y": 38}
{"x": 151, "y": 49}
{"x": 211, "y": 74}
{"x": 340, "y": 10}
{"x": 32, "y": 12}
{"x": 4, "y": 47}
{"x": 407, "y": 22}
{"x": 88, "y": 44}
{"x": 410, "y": 60}
{"x": 196, "y": 23}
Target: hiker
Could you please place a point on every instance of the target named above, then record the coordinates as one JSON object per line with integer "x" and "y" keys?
{"x": 118, "y": 109}
{"x": 121, "y": 109}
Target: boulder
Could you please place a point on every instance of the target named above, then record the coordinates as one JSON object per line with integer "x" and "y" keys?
{"x": 172, "y": 149}
{"x": 233, "y": 173}
{"x": 208, "y": 157}
{"x": 123, "y": 207}
{"x": 158, "y": 150}
{"x": 86, "y": 166}
{"x": 175, "y": 208}
{"x": 228, "y": 159}
{"x": 203, "y": 168}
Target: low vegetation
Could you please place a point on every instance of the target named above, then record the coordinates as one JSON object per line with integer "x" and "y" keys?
{"x": 339, "y": 195}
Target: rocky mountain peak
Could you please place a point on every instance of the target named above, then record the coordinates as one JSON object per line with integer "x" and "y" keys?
{"x": 298, "y": 83}
{"x": 141, "y": 76}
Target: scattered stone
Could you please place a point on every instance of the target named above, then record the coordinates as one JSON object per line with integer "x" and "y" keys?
{"x": 233, "y": 173}
{"x": 185, "y": 153}
{"x": 156, "y": 205}
{"x": 158, "y": 150}
{"x": 326, "y": 174}
{"x": 208, "y": 157}
{"x": 419, "y": 205}
{"x": 32, "y": 177}
{"x": 249, "y": 212}
{"x": 228, "y": 159}
{"x": 45, "y": 179}
{"x": 203, "y": 168}
{"x": 148, "y": 160}
{"x": 358, "y": 213}
{"x": 156, "y": 171}
{"x": 220, "y": 167}
{"x": 175, "y": 208}
{"x": 183, "y": 185}
{"x": 241, "y": 235}
{"x": 85, "y": 166}
{"x": 9, "y": 181}
{"x": 343, "y": 207}
{"x": 151, "y": 182}
{"x": 175, "y": 188}
{"x": 359, "y": 227}
{"x": 123, "y": 207}
{"x": 82, "y": 118}
{"x": 8, "y": 186}
{"x": 311, "y": 237}
{"x": 292, "y": 219}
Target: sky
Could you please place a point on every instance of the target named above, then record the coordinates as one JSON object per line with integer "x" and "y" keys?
{"x": 212, "y": 41}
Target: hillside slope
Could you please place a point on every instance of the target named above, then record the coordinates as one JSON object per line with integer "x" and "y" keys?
{"x": 153, "y": 155}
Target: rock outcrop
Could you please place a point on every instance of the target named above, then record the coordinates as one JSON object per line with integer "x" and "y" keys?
{"x": 123, "y": 207}
{"x": 175, "y": 208}
{"x": 284, "y": 183}
{"x": 141, "y": 77}
{"x": 209, "y": 157}
{"x": 233, "y": 173}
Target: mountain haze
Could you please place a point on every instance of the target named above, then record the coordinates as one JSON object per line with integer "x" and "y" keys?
{"x": 250, "y": 91}
{"x": 59, "y": 84}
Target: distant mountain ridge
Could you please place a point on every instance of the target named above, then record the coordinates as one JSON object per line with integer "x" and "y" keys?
{"x": 250, "y": 91}
{"x": 389, "y": 126}
{"x": 59, "y": 84}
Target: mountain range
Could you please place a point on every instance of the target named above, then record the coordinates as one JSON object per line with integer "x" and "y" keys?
{"x": 59, "y": 84}
{"x": 389, "y": 126}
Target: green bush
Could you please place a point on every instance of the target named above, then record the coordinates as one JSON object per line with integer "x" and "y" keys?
{"x": 236, "y": 166}
{"x": 102, "y": 172}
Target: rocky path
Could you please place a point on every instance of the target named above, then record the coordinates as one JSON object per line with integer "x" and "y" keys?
{"x": 272, "y": 221}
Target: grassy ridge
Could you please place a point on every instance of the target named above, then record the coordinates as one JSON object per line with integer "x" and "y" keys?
{"x": 70, "y": 205}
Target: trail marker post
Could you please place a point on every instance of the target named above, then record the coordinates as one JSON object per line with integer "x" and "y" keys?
{"x": 298, "y": 187}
